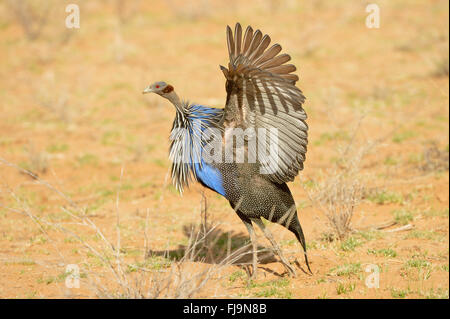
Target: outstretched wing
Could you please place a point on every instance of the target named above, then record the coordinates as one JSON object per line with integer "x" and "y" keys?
{"x": 261, "y": 93}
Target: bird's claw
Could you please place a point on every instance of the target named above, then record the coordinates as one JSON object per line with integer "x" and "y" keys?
{"x": 290, "y": 270}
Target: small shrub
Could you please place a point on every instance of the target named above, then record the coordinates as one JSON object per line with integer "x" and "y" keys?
{"x": 403, "y": 217}
{"x": 386, "y": 252}
{"x": 385, "y": 197}
{"x": 350, "y": 244}
{"x": 346, "y": 270}
{"x": 345, "y": 288}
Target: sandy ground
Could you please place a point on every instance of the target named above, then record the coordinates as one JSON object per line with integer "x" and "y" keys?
{"x": 72, "y": 113}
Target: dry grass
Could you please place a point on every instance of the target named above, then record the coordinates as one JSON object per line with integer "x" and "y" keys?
{"x": 441, "y": 66}
{"x": 37, "y": 161}
{"x": 74, "y": 95}
{"x": 117, "y": 277}
{"x": 338, "y": 198}
{"x": 31, "y": 15}
{"x": 435, "y": 159}
{"x": 342, "y": 187}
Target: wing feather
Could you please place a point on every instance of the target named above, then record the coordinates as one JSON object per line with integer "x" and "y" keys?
{"x": 237, "y": 39}
{"x": 279, "y": 60}
{"x": 254, "y": 44}
{"x": 230, "y": 43}
{"x": 261, "y": 93}
{"x": 247, "y": 38}
{"x": 269, "y": 54}
{"x": 261, "y": 48}
{"x": 283, "y": 69}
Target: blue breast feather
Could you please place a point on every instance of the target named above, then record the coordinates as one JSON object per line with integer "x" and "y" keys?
{"x": 206, "y": 173}
{"x": 210, "y": 177}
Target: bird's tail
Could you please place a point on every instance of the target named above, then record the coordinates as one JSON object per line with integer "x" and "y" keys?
{"x": 296, "y": 228}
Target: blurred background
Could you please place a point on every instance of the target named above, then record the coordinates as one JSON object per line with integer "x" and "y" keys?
{"x": 72, "y": 114}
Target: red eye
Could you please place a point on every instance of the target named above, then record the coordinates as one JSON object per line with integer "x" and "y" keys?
{"x": 157, "y": 86}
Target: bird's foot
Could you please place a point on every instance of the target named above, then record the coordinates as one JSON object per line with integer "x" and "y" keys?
{"x": 254, "y": 275}
{"x": 290, "y": 270}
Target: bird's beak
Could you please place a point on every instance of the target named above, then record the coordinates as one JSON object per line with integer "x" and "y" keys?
{"x": 147, "y": 90}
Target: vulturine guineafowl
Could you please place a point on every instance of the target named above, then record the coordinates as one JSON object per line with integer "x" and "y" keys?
{"x": 263, "y": 111}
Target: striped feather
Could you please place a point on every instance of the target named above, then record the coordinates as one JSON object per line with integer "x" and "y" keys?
{"x": 187, "y": 143}
{"x": 261, "y": 93}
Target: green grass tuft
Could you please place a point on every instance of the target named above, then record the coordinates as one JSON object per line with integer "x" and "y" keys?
{"x": 386, "y": 252}
{"x": 403, "y": 216}
{"x": 385, "y": 197}
{"x": 346, "y": 270}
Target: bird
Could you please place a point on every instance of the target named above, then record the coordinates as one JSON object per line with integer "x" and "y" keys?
{"x": 262, "y": 96}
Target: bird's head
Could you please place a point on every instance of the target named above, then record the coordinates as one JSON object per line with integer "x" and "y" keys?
{"x": 160, "y": 88}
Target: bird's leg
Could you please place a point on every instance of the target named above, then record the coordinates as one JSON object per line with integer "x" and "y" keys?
{"x": 252, "y": 234}
{"x": 275, "y": 246}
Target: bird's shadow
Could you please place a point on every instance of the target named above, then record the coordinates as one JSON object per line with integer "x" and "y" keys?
{"x": 216, "y": 246}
